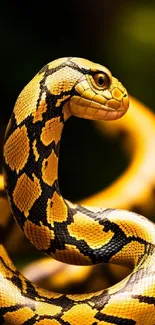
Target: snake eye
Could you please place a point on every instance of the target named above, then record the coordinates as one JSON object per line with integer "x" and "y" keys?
{"x": 101, "y": 80}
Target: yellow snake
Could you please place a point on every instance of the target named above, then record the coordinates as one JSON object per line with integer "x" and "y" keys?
{"x": 69, "y": 232}
{"x": 139, "y": 144}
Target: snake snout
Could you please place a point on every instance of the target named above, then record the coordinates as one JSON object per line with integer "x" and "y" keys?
{"x": 118, "y": 106}
{"x": 119, "y": 101}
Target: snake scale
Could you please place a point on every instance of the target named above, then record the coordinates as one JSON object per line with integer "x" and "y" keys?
{"x": 69, "y": 232}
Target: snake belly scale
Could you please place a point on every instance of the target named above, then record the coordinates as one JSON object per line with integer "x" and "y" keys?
{"x": 69, "y": 232}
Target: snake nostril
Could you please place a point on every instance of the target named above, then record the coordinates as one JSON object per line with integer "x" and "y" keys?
{"x": 125, "y": 101}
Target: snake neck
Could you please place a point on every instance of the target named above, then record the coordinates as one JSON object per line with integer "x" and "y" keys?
{"x": 34, "y": 167}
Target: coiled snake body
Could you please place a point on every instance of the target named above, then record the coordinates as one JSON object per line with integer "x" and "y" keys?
{"x": 69, "y": 232}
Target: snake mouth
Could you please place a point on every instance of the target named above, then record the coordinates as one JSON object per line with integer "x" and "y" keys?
{"x": 93, "y": 110}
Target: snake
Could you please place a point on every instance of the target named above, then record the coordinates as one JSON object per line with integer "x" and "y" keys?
{"x": 139, "y": 144}
{"x": 71, "y": 233}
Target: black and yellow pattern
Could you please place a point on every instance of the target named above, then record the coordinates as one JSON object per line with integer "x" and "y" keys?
{"x": 71, "y": 233}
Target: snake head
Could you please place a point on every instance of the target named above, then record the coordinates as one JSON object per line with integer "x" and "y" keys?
{"x": 98, "y": 95}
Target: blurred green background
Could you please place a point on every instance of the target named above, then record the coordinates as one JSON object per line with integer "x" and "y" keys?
{"x": 118, "y": 34}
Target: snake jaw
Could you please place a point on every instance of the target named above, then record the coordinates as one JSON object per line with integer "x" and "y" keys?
{"x": 98, "y": 108}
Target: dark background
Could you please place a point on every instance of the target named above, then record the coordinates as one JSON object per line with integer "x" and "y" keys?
{"x": 118, "y": 34}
